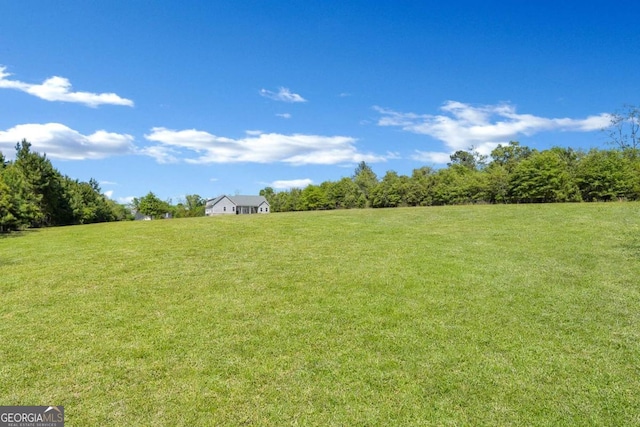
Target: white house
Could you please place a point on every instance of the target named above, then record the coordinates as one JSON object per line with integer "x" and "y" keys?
{"x": 220, "y": 205}
{"x": 237, "y": 205}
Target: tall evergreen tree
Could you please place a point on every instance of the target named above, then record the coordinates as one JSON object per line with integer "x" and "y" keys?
{"x": 366, "y": 179}
{"x": 45, "y": 183}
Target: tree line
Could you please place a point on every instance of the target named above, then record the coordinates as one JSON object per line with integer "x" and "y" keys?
{"x": 152, "y": 206}
{"x": 35, "y": 194}
{"x": 511, "y": 174}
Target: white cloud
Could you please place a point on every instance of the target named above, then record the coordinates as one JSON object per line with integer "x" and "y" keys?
{"x": 108, "y": 183}
{"x": 284, "y": 115}
{"x": 59, "y": 89}
{"x": 431, "y": 157}
{"x": 162, "y": 154}
{"x": 126, "y": 200}
{"x": 484, "y": 127}
{"x": 109, "y": 193}
{"x": 296, "y": 149}
{"x": 293, "y": 183}
{"x": 213, "y": 179}
{"x": 61, "y": 142}
{"x": 283, "y": 94}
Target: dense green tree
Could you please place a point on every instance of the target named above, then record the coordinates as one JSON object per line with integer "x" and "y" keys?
{"x": 192, "y": 206}
{"x": 46, "y": 183}
{"x": 605, "y": 175}
{"x": 180, "y": 211}
{"x": 152, "y": 206}
{"x": 419, "y": 191}
{"x": 9, "y": 208}
{"x": 366, "y": 179}
{"x": 275, "y": 199}
{"x": 391, "y": 191}
{"x": 119, "y": 212}
{"x": 329, "y": 190}
{"x": 287, "y": 201}
{"x": 471, "y": 159}
{"x": 508, "y": 156}
{"x": 195, "y": 204}
{"x": 295, "y": 200}
{"x": 458, "y": 185}
{"x": 544, "y": 177}
{"x": 345, "y": 194}
{"x": 269, "y": 194}
{"x": 463, "y": 158}
{"x": 87, "y": 203}
{"x": 279, "y": 201}
{"x": 505, "y": 158}
{"x": 26, "y": 203}
{"x": 33, "y": 194}
{"x": 497, "y": 184}
{"x": 313, "y": 197}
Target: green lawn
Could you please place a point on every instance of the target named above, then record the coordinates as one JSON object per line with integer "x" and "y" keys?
{"x": 470, "y": 315}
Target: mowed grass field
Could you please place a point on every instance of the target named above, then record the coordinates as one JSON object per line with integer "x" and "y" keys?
{"x": 469, "y": 315}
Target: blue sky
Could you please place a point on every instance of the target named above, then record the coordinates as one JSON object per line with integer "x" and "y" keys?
{"x": 199, "y": 97}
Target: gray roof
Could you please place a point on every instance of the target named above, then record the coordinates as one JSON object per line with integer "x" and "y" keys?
{"x": 240, "y": 200}
{"x": 212, "y": 202}
{"x": 248, "y": 200}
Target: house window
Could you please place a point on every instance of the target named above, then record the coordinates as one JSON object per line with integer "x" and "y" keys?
{"x": 260, "y": 209}
{"x": 266, "y": 209}
{"x": 233, "y": 208}
{"x": 224, "y": 209}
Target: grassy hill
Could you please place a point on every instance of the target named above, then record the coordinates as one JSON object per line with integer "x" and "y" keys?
{"x": 470, "y": 315}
